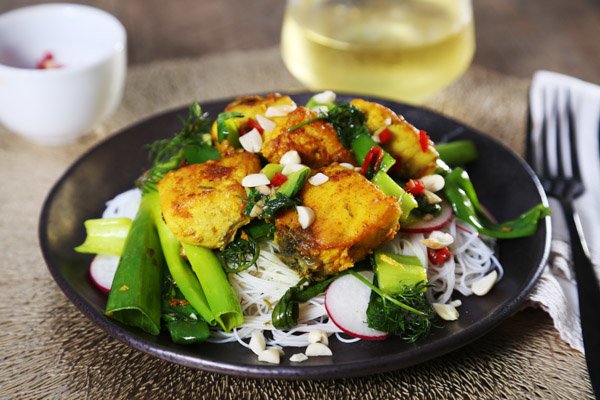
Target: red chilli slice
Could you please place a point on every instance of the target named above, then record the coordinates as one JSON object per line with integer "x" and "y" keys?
{"x": 414, "y": 187}
{"x": 279, "y": 179}
{"x": 424, "y": 140}
{"x": 372, "y": 161}
{"x": 385, "y": 136}
{"x": 439, "y": 256}
{"x": 251, "y": 124}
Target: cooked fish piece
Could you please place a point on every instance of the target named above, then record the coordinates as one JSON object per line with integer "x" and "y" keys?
{"x": 203, "y": 204}
{"x": 250, "y": 106}
{"x": 352, "y": 217}
{"x": 405, "y": 144}
{"x": 317, "y": 143}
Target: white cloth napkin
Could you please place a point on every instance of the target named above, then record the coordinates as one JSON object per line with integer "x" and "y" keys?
{"x": 557, "y": 291}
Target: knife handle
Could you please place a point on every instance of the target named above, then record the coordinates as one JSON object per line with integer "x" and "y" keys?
{"x": 588, "y": 291}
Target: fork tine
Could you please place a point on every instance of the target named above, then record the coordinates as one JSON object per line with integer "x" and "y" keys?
{"x": 529, "y": 142}
{"x": 562, "y": 138}
{"x": 545, "y": 165}
{"x": 575, "y": 173}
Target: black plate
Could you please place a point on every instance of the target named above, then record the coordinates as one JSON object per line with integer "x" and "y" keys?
{"x": 506, "y": 185}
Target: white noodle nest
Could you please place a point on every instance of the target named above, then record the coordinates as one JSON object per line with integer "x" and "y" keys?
{"x": 261, "y": 288}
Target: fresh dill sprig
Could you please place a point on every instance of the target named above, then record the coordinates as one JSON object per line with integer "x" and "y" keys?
{"x": 189, "y": 145}
{"x": 240, "y": 254}
{"x": 407, "y": 314}
{"x": 385, "y": 315}
{"x": 271, "y": 204}
{"x": 348, "y": 121}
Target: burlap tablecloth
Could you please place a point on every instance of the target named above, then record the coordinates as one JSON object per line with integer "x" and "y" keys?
{"x": 48, "y": 349}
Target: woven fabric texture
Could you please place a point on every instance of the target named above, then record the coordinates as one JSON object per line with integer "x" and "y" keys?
{"x": 48, "y": 349}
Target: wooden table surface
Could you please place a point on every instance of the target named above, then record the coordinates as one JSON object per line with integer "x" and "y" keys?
{"x": 515, "y": 37}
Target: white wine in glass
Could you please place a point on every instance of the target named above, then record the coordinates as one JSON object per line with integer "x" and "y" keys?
{"x": 399, "y": 49}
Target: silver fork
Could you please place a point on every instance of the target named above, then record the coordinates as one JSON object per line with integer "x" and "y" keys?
{"x": 557, "y": 166}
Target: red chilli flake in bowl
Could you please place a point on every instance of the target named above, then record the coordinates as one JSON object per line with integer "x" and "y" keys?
{"x": 48, "y": 62}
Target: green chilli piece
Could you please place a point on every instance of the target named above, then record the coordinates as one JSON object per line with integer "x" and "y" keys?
{"x": 135, "y": 297}
{"x": 221, "y": 297}
{"x": 105, "y": 236}
{"x": 461, "y": 194}
{"x": 227, "y": 129}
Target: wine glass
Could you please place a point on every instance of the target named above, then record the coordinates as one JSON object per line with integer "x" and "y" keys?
{"x": 404, "y": 50}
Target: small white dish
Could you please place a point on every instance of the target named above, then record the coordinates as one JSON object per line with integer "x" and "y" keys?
{"x": 57, "y": 106}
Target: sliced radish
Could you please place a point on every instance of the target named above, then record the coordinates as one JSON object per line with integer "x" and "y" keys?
{"x": 346, "y": 301}
{"x": 102, "y": 271}
{"x": 438, "y": 222}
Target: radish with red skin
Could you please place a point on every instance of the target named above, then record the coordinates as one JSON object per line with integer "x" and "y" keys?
{"x": 346, "y": 302}
{"x": 102, "y": 271}
{"x": 435, "y": 224}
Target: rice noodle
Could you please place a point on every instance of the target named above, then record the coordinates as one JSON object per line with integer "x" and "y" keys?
{"x": 260, "y": 288}
{"x": 473, "y": 258}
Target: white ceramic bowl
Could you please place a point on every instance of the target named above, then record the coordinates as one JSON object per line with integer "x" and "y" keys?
{"x": 57, "y": 106}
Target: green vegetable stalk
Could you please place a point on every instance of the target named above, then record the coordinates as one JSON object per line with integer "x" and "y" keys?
{"x": 227, "y": 129}
{"x": 179, "y": 269}
{"x": 362, "y": 144}
{"x": 135, "y": 296}
{"x": 457, "y": 152}
{"x": 105, "y": 236}
{"x": 285, "y": 313}
{"x": 221, "y": 297}
{"x": 179, "y": 317}
{"x": 388, "y": 186}
{"x": 395, "y": 272}
{"x": 460, "y": 192}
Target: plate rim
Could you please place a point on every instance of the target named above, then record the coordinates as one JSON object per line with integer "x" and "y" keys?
{"x": 296, "y": 372}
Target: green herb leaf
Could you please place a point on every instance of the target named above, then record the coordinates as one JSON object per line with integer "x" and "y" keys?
{"x": 168, "y": 154}
{"x": 273, "y": 204}
{"x": 278, "y": 203}
{"x": 349, "y": 122}
{"x": 386, "y": 316}
{"x": 260, "y": 230}
{"x": 424, "y": 208}
{"x": 239, "y": 255}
